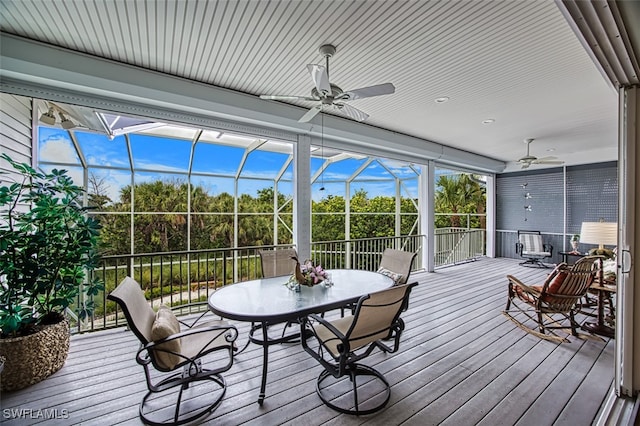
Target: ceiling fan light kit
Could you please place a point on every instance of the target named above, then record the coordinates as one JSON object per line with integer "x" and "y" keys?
{"x": 328, "y": 94}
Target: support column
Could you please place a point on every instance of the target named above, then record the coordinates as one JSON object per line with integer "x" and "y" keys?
{"x": 491, "y": 216}
{"x": 302, "y": 196}
{"x": 426, "y": 188}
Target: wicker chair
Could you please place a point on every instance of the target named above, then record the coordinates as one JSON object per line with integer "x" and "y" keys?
{"x": 342, "y": 343}
{"x": 531, "y": 247}
{"x": 558, "y": 296}
{"x": 187, "y": 390}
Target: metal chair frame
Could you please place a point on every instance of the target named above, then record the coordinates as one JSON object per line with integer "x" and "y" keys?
{"x": 344, "y": 358}
{"x": 534, "y": 255}
{"x": 189, "y": 370}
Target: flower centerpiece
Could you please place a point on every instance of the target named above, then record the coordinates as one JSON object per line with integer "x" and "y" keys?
{"x": 307, "y": 274}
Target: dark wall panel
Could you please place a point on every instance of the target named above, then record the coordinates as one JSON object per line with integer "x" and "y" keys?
{"x": 592, "y": 194}
{"x": 546, "y": 192}
{"x": 591, "y": 191}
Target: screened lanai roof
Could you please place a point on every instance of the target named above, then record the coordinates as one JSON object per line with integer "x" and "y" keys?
{"x": 113, "y": 146}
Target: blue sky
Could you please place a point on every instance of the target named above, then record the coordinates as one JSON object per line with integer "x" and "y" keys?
{"x": 168, "y": 159}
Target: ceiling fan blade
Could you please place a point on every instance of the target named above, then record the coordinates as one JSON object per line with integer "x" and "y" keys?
{"x": 352, "y": 112}
{"x": 367, "y": 92}
{"x": 310, "y": 114}
{"x": 540, "y": 161}
{"x": 320, "y": 78}
{"x": 286, "y": 98}
{"x": 548, "y": 160}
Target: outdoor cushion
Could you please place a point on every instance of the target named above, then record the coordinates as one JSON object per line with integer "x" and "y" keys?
{"x": 393, "y": 275}
{"x": 556, "y": 282}
{"x": 554, "y": 285}
{"x": 533, "y": 245}
{"x": 165, "y": 325}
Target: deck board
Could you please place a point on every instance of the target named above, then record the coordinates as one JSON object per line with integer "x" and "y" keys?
{"x": 461, "y": 362}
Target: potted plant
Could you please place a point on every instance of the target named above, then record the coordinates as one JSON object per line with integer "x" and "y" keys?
{"x": 48, "y": 246}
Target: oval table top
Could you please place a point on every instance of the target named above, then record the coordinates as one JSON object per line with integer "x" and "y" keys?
{"x": 270, "y": 300}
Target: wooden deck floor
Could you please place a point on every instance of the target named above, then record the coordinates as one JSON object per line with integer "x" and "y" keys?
{"x": 461, "y": 362}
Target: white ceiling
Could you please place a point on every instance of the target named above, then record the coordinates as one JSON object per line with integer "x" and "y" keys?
{"x": 517, "y": 62}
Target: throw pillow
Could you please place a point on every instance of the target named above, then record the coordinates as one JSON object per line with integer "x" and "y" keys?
{"x": 165, "y": 325}
{"x": 556, "y": 282}
{"x": 559, "y": 275}
{"x": 393, "y": 275}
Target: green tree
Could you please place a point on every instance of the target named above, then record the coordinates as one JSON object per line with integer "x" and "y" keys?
{"x": 328, "y": 219}
{"x": 459, "y": 194}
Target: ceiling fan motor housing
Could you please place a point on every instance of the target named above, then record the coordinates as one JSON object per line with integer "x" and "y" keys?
{"x": 328, "y": 99}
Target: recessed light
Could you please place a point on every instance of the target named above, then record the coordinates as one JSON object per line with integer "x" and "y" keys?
{"x": 551, "y": 149}
{"x": 489, "y": 121}
{"x": 442, "y": 99}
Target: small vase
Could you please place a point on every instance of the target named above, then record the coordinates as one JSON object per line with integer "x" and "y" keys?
{"x": 574, "y": 245}
{"x": 327, "y": 282}
{"x": 293, "y": 285}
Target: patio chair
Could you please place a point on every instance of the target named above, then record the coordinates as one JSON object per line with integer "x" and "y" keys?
{"x": 278, "y": 262}
{"x": 531, "y": 247}
{"x": 558, "y": 297}
{"x": 341, "y": 344}
{"x": 187, "y": 390}
{"x": 397, "y": 265}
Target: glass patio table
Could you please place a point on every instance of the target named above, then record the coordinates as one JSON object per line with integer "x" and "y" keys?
{"x": 268, "y": 301}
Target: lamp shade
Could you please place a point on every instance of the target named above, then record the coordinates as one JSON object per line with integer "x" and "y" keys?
{"x": 600, "y": 233}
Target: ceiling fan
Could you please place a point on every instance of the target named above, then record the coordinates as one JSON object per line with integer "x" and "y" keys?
{"x": 529, "y": 159}
{"x": 328, "y": 94}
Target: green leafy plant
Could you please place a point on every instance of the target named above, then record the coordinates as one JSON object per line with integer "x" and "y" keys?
{"x": 48, "y": 246}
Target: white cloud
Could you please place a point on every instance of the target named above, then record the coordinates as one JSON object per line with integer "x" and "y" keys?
{"x": 58, "y": 150}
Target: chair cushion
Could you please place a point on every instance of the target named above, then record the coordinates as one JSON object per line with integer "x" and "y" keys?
{"x": 532, "y": 243}
{"x": 556, "y": 282}
{"x": 536, "y": 253}
{"x": 526, "y": 297}
{"x": 166, "y": 324}
{"x": 393, "y": 275}
{"x": 554, "y": 286}
{"x": 560, "y": 274}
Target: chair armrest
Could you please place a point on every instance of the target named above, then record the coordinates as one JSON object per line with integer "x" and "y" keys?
{"x": 328, "y": 325}
{"x": 229, "y": 333}
{"x": 198, "y": 330}
{"x": 190, "y": 305}
{"x": 513, "y": 280}
{"x": 519, "y": 247}
{"x": 143, "y": 355}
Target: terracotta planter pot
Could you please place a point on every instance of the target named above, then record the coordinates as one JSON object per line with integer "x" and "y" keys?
{"x": 35, "y": 357}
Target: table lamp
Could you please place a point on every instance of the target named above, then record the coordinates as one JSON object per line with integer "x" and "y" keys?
{"x": 600, "y": 233}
